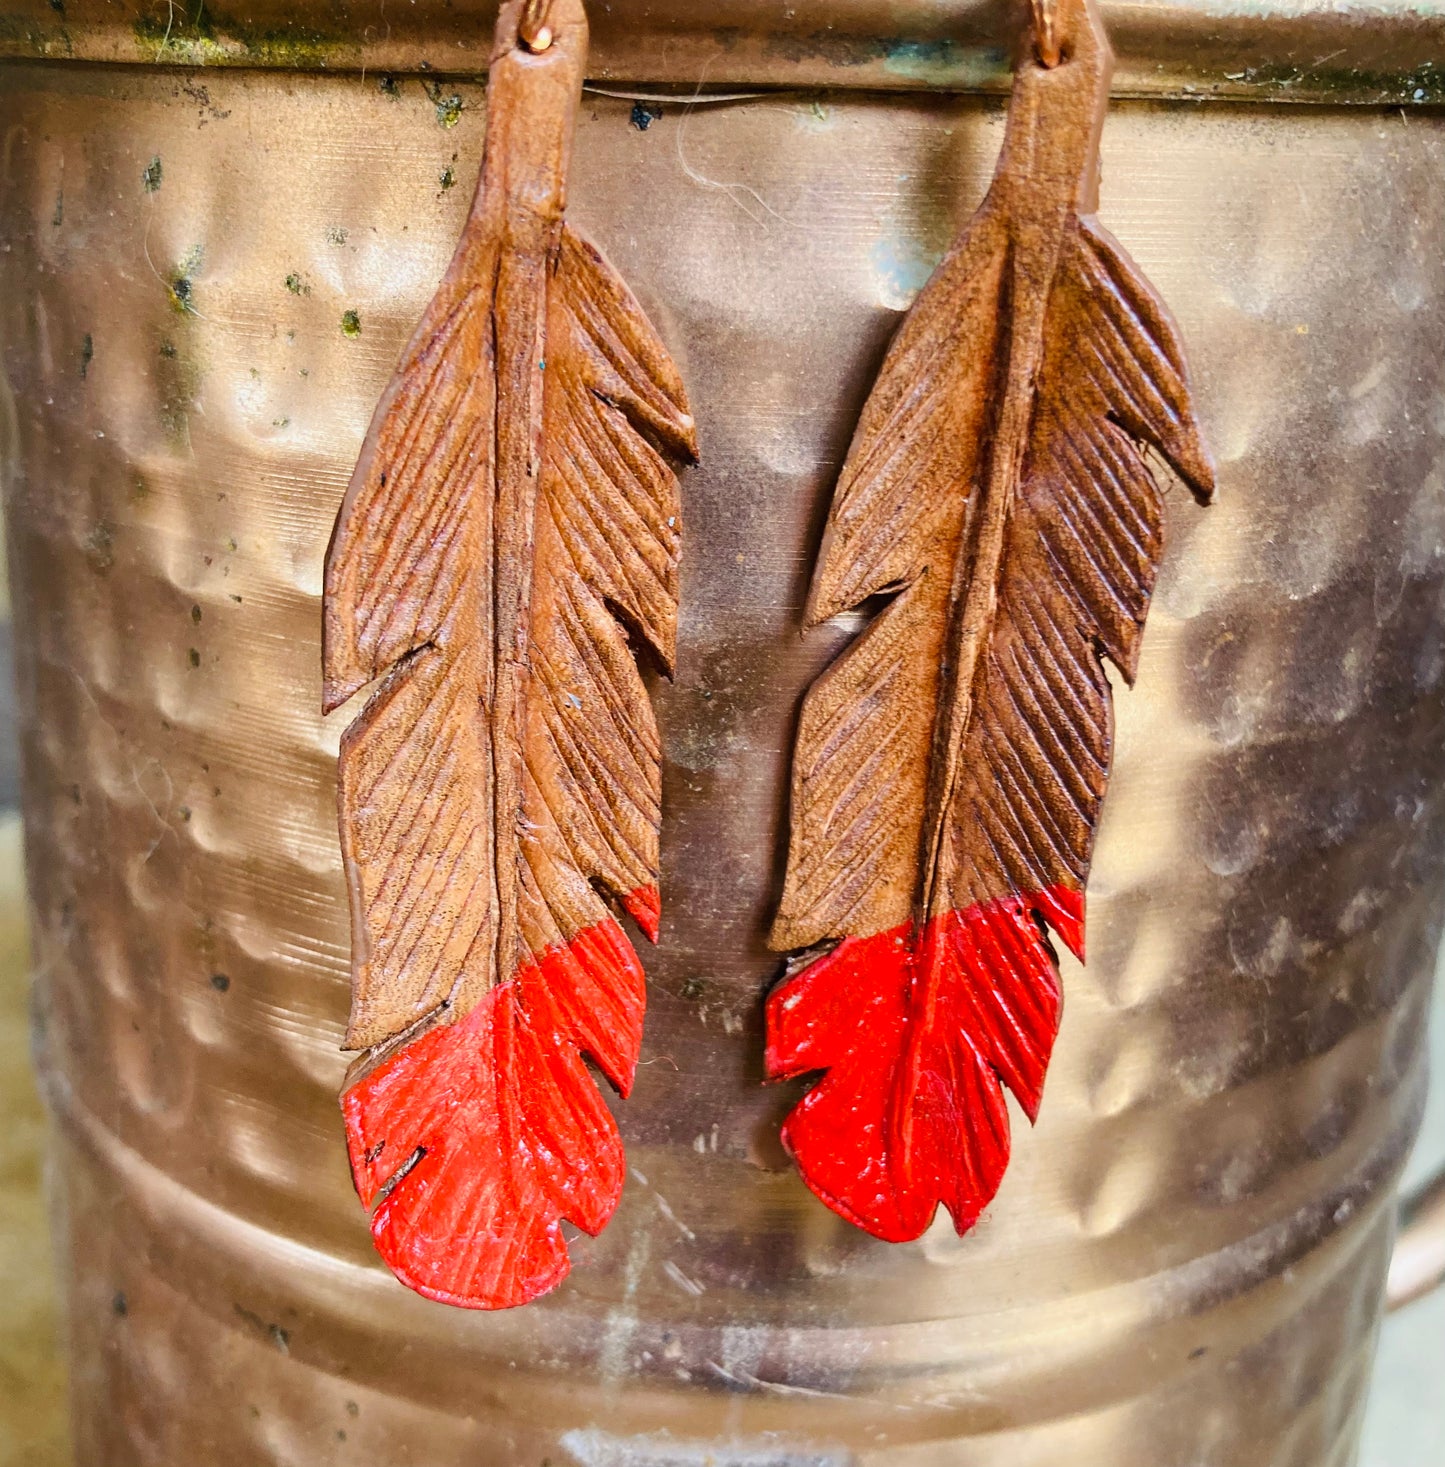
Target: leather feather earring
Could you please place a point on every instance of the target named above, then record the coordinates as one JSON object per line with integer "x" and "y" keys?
{"x": 950, "y": 766}
{"x": 513, "y": 518}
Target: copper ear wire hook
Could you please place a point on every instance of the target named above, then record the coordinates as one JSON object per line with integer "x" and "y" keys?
{"x": 532, "y": 30}
{"x": 1046, "y": 43}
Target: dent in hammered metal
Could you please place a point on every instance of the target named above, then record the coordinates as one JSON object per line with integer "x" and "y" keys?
{"x": 1205, "y": 1201}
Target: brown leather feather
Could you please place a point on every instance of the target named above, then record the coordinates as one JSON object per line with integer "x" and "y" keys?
{"x": 510, "y": 504}
{"x": 994, "y": 489}
{"x": 950, "y": 766}
{"x": 509, "y": 537}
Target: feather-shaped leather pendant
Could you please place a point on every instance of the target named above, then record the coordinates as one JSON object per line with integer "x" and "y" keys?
{"x": 950, "y": 766}
{"x": 511, "y": 528}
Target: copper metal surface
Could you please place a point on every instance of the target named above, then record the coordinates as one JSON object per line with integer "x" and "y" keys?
{"x": 1299, "y": 51}
{"x": 1186, "y": 1262}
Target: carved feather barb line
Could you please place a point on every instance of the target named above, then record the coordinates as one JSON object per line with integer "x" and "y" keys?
{"x": 509, "y": 535}
{"x": 950, "y": 765}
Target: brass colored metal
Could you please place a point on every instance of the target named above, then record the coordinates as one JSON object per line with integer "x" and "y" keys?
{"x": 1046, "y": 43}
{"x": 1187, "y": 1261}
{"x": 532, "y": 30}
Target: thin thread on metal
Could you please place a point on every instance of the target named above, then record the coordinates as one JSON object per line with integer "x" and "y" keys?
{"x": 532, "y": 30}
{"x": 1046, "y": 41}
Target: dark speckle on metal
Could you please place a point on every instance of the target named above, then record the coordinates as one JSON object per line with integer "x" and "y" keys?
{"x": 644, "y": 114}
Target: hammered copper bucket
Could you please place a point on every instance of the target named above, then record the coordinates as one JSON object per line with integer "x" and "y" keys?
{"x": 217, "y": 234}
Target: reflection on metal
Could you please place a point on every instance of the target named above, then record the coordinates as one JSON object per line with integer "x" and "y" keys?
{"x": 603, "y": 1449}
{"x": 1189, "y": 1256}
{"x": 1417, "y": 1266}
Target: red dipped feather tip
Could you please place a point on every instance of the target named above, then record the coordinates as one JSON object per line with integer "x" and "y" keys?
{"x": 644, "y": 906}
{"x": 467, "y": 1141}
{"x": 918, "y": 1034}
{"x": 951, "y": 764}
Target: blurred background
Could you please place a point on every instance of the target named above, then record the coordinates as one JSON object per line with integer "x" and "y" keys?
{"x": 1405, "y": 1426}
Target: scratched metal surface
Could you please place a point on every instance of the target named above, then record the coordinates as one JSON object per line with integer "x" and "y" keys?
{"x": 1184, "y": 1263}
